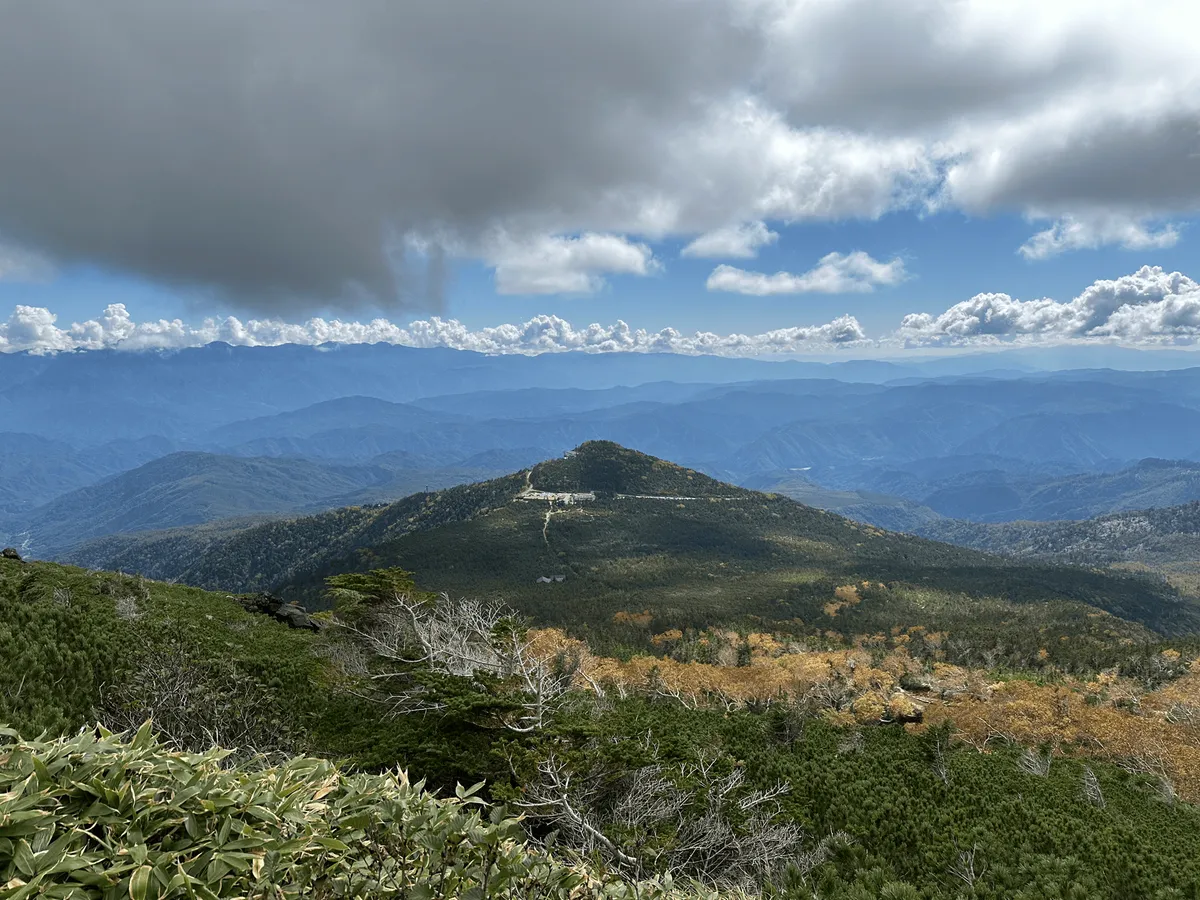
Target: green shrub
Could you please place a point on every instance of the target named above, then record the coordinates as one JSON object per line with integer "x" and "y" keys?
{"x": 95, "y": 816}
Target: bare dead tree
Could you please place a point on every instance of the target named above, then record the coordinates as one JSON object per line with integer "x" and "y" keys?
{"x": 941, "y": 767}
{"x": 719, "y": 832}
{"x": 833, "y": 693}
{"x": 1153, "y": 763}
{"x": 468, "y": 639}
{"x": 1091, "y": 788}
{"x": 794, "y": 724}
{"x": 997, "y": 735}
{"x": 349, "y": 656}
{"x": 192, "y": 705}
{"x": 854, "y": 742}
{"x": 195, "y": 711}
{"x": 556, "y": 795}
{"x": 658, "y": 687}
{"x": 1166, "y": 790}
{"x": 1035, "y": 762}
{"x": 966, "y": 867}
{"x": 127, "y": 608}
{"x": 1185, "y": 714}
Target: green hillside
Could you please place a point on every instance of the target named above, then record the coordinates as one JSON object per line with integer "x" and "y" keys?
{"x": 69, "y": 635}
{"x": 608, "y": 469}
{"x": 235, "y": 556}
{"x": 186, "y": 489}
{"x": 81, "y": 646}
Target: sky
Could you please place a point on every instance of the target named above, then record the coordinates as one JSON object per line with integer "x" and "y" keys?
{"x": 749, "y": 177}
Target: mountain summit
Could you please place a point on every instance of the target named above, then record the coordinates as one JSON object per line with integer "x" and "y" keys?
{"x": 608, "y": 469}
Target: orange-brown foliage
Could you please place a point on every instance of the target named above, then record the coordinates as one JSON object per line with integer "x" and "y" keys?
{"x": 667, "y": 637}
{"x": 641, "y": 620}
{"x": 1146, "y": 728}
{"x": 773, "y": 672}
{"x": 1106, "y": 717}
{"x": 846, "y": 596}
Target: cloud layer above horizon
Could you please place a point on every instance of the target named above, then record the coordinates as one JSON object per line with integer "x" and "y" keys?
{"x": 291, "y": 157}
{"x": 1148, "y": 307}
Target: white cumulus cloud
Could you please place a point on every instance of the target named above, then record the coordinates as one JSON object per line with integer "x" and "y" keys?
{"x": 1093, "y": 232}
{"x": 737, "y": 242}
{"x": 1150, "y": 305}
{"x": 565, "y": 265}
{"x": 836, "y": 273}
{"x": 35, "y": 329}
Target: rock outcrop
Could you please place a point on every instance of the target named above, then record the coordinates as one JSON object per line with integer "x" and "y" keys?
{"x": 291, "y": 614}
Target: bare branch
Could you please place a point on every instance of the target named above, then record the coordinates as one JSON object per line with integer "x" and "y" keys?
{"x": 941, "y": 767}
{"x": 193, "y": 704}
{"x": 1034, "y": 762}
{"x": 966, "y": 867}
{"x": 718, "y": 832}
{"x": 1091, "y": 788}
{"x": 467, "y": 639}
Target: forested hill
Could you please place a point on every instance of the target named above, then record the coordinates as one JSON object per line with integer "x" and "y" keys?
{"x": 183, "y": 489}
{"x": 265, "y": 556}
{"x": 1166, "y": 538}
{"x": 642, "y": 536}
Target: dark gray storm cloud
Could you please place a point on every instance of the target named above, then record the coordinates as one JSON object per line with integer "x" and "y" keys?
{"x": 883, "y": 65}
{"x": 278, "y": 151}
{"x": 1149, "y": 166}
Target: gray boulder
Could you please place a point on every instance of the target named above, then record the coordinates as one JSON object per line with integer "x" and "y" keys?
{"x": 291, "y": 614}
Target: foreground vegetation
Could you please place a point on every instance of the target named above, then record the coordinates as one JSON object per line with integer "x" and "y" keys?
{"x": 94, "y": 816}
{"x": 746, "y": 760}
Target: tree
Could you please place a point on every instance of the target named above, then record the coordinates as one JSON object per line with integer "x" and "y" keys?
{"x": 692, "y": 820}
{"x": 482, "y": 643}
{"x": 194, "y": 702}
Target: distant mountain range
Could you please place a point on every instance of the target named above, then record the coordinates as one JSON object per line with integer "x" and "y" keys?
{"x": 183, "y": 489}
{"x": 35, "y": 469}
{"x": 919, "y": 497}
{"x": 112, "y": 442}
{"x": 882, "y": 510}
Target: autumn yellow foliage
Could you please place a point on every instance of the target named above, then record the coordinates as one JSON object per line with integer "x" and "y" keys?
{"x": 667, "y": 637}
{"x": 641, "y": 620}
{"x": 1147, "y": 730}
{"x": 774, "y": 672}
{"x": 845, "y": 596}
{"x": 1106, "y": 716}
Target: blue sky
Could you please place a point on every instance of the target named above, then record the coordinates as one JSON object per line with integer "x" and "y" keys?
{"x": 949, "y": 257}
